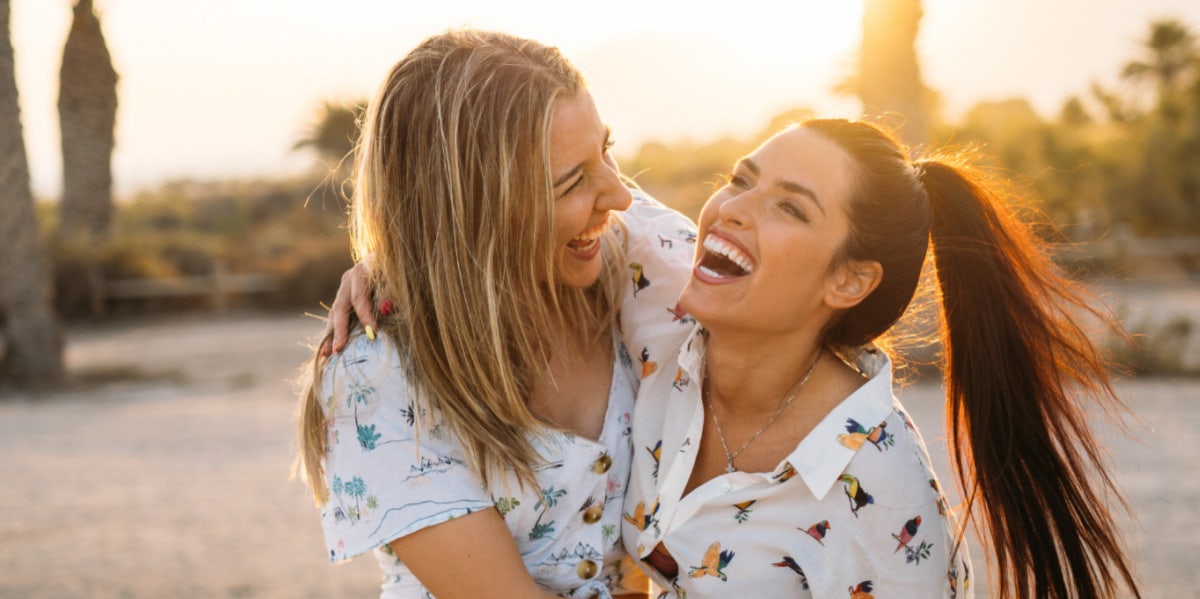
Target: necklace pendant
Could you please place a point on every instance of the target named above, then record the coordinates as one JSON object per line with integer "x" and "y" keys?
{"x": 729, "y": 467}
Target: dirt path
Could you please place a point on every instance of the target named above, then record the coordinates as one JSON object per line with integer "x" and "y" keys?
{"x": 176, "y": 485}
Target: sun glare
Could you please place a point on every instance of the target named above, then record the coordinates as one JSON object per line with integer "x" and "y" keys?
{"x": 823, "y": 38}
{"x": 832, "y": 26}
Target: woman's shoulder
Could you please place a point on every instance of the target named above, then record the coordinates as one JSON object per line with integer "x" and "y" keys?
{"x": 356, "y": 376}
{"x": 659, "y": 250}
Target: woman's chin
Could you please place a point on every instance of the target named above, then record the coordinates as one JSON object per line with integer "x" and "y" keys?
{"x": 578, "y": 274}
{"x": 700, "y": 305}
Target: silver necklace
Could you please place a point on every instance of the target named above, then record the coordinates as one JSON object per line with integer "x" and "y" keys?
{"x": 729, "y": 457}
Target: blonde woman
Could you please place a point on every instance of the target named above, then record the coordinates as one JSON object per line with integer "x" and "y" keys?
{"x": 476, "y": 437}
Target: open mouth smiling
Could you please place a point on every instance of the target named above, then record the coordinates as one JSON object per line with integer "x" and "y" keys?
{"x": 723, "y": 260}
{"x": 589, "y": 240}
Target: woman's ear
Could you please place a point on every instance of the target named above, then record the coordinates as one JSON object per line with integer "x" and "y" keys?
{"x": 852, "y": 282}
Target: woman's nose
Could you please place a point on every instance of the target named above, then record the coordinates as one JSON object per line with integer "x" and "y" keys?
{"x": 615, "y": 195}
{"x": 736, "y": 209}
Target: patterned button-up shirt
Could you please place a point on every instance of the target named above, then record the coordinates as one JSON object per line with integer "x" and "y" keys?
{"x": 853, "y": 511}
{"x": 384, "y": 484}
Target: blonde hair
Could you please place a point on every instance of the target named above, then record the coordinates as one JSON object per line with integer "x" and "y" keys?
{"x": 454, "y": 200}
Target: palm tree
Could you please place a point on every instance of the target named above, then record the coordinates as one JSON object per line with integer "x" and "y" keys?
{"x": 334, "y": 131}
{"x": 1171, "y": 53}
{"x": 1171, "y": 57}
{"x": 33, "y": 353}
{"x": 87, "y": 109}
{"x": 1170, "y": 62}
{"x": 889, "y": 75}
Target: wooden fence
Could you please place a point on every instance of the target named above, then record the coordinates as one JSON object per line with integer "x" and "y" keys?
{"x": 219, "y": 286}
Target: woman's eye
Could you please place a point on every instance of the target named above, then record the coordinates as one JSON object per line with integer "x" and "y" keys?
{"x": 794, "y": 211}
{"x": 573, "y": 186}
{"x": 609, "y": 143}
{"x": 738, "y": 181}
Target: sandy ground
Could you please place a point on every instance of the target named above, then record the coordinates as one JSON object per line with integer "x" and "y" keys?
{"x": 175, "y": 484}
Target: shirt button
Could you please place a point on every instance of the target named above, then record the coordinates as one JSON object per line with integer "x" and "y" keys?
{"x": 586, "y": 569}
{"x": 726, "y": 487}
{"x": 601, "y": 465}
{"x": 593, "y": 514}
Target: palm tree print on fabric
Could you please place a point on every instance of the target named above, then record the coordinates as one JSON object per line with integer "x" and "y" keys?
{"x": 541, "y": 530}
{"x": 367, "y": 437}
{"x": 361, "y": 394}
{"x": 504, "y": 505}
{"x": 548, "y": 500}
{"x": 356, "y": 489}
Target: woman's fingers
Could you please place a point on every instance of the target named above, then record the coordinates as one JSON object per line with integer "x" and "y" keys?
{"x": 360, "y": 298}
{"x": 339, "y": 312}
{"x": 353, "y": 296}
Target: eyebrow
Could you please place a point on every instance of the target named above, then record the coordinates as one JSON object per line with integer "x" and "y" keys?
{"x": 795, "y": 188}
{"x": 571, "y": 173}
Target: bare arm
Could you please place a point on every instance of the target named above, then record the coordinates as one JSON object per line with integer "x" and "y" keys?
{"x": 469, "y": 556}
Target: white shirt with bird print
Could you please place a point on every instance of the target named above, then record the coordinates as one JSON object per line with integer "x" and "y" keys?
{"x": 854, "y": 511}
{"x": 392, "y": 472}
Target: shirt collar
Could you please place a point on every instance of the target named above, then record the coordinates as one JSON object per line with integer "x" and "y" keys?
{"x": 823, "y": 455}
{"x": 691, "y": 353}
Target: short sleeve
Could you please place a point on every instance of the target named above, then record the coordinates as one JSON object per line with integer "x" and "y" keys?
{"x": 659, "y": 250}
{"x": 389, "y": 470}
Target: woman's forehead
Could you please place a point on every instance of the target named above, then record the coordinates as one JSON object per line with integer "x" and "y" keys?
{"x": 806, "y": 158}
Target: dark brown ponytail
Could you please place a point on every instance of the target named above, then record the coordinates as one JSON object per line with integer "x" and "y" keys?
{"x": 1019, "y": 361}
{"x": 1016, "y": 359}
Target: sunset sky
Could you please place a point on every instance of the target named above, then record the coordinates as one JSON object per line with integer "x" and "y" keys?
{"x": 224, "y": 88}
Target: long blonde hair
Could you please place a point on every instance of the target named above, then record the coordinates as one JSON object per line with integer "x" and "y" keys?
{"x": 454, "y": 200}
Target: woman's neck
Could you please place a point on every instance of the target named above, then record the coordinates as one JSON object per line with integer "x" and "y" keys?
{"x": 755, "y": 371}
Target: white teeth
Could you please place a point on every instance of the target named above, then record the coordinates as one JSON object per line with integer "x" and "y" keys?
{"x": 717, "y": 246}
{"x": 595, "y": 232}
{"x": 710, "y": 272}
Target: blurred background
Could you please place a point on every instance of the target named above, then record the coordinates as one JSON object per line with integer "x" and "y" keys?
{"x": 172, "y": 204}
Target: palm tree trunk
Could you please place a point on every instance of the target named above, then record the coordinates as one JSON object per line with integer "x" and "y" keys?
{"x": 889, "y": 77}
{"x": 87, "y": 108}
{"x": 33, "y": 348}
